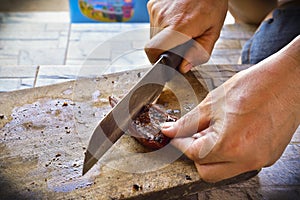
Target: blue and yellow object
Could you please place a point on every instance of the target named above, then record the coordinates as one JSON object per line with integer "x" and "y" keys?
{"x": 108, "y": 11}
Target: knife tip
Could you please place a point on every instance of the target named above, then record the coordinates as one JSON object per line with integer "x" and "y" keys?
{"x": 89, "y": 162}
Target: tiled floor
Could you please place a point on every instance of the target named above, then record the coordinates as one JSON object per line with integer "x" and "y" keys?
{"x": 42, "y": 48}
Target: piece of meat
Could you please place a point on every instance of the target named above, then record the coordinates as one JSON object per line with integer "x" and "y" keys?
{"x": 145, "y": 128}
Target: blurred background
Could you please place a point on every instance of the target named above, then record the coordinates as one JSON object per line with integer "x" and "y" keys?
{"x": 44, "y": 42}
{"x": 33, "y": 5}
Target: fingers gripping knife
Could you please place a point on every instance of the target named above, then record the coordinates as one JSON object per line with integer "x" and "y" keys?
{"x": 113, "y": 125}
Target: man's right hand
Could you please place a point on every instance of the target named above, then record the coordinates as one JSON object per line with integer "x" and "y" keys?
{"x": 174, "y": 22}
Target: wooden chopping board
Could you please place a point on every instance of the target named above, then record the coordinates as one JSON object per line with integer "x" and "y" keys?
{"x": 45, "y": 131}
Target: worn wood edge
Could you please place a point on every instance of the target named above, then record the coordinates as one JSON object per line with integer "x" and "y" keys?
{"x": 195, "y": 187}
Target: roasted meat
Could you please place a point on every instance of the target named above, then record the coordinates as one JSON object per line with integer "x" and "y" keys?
{"x": 145, "y": 127}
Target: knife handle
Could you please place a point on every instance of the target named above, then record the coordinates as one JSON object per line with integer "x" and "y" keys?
{"x": 174, "y": 57}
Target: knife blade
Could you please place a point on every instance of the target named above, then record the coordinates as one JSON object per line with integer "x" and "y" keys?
{"x": 116, "y": 122}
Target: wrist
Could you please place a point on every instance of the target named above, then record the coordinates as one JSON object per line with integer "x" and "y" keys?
{"x": 294, "y": 56}
{"x": 288, "y": 65}
{"x": 278, "y": 75}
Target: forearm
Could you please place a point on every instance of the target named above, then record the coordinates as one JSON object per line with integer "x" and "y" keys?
{"x": 251, "y": 11}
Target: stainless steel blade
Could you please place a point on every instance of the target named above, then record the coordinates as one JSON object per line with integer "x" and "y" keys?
{"x": 116, "y": 122}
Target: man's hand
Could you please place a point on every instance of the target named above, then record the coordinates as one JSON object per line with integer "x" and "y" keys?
{"x": 246, "y": 123}
{"x": 177, "y": 21}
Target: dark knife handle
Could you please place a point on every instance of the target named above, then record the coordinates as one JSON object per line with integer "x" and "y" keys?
{"x": 174, "y": 57}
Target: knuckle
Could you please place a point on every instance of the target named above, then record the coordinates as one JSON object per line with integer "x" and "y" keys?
{"x": 192, "y": 153}
{"x": 206, "y": 147}
{"x": 159, "y": 19}
{"x": 183, "y": 122}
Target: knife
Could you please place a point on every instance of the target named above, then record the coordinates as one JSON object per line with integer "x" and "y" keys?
{"x": 116, "y": 122}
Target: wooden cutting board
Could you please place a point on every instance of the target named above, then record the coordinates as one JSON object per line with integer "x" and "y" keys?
{"x": 45, "y": 131}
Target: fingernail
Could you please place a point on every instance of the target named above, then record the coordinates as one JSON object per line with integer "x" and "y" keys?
{"x": 166, "y": 125}
{"x": 209, "y": 141}
{"x": 196, "y": 135}
{"x": 186, "y": 68}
